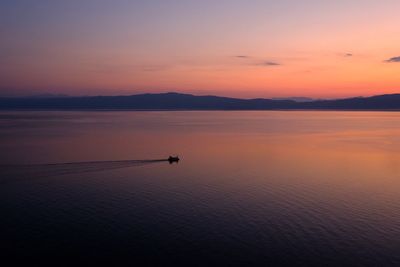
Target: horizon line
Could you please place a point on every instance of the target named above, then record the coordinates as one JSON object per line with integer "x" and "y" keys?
{"x": 49, "y": 95}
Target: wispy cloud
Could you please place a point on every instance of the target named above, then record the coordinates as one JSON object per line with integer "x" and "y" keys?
{"x": 393, "y": 60}
{"x": 268, "y": 64}
{"x": 257, "y": 62}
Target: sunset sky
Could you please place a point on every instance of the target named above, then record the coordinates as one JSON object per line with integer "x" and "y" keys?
{"x": 240, "y": 48}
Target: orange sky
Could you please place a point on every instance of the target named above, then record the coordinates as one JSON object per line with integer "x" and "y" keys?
{"x": 234, "y": 48}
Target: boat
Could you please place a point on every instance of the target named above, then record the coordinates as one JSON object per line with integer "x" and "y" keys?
{"x": 172, "y": 159}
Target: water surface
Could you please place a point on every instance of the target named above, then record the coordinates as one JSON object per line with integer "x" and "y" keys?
{"x": 252, "y": 188}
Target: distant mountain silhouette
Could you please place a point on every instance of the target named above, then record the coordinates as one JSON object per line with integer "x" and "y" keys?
{"x": 177, "y": 101}
{"x": 297, "y": 99}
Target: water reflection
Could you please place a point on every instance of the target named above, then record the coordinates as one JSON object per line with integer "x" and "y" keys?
{"x": 294, "y": 188}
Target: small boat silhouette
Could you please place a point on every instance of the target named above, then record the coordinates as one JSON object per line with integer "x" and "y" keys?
{"x": 172, "y": 159}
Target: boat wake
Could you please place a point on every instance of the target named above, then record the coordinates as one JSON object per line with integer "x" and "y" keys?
{"x": 29, "y": 171}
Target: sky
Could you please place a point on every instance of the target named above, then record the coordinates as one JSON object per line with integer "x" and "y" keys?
{"x": 239, "y": 48}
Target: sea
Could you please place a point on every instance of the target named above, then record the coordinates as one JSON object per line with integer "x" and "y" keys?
{"x": 251, "y": 188}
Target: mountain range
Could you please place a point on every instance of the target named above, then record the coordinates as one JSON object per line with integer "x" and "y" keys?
{"x": 178, "y": 101}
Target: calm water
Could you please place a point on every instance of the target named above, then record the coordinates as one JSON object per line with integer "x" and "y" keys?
{"x": 252, "y": 188}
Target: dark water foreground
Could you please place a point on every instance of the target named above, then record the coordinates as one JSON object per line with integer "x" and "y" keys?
{"x": 252, "y": 188}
